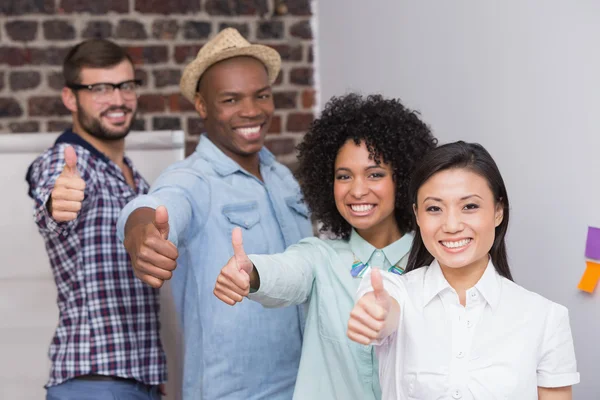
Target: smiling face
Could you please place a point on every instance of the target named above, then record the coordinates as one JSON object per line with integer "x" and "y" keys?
{"x": 108, "y": 119}
{"x": 236, "y": 104}
{"x": 457, "y": 217}
{"x": 364, "y": 191}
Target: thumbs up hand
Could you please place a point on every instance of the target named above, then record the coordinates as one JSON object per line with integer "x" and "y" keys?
{"x": 236, "y": 277}
{"x": 153, "y": 256}
{"x": 68, "y": 192}
{"x": 370, "y": 316}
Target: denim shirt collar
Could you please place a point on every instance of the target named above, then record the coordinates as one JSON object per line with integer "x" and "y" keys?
{"x": 223, "y": 164}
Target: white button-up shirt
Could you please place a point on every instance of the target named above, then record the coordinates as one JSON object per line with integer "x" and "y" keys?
{"x": 503, "y": 344}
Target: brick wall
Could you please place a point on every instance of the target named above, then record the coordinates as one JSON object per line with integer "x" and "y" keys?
{"x": 162, "y": 36}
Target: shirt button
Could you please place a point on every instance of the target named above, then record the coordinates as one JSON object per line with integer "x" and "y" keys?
{"x": 460, "y": 354}
{"x": 456, "y": 394}
{"x": 473, "y": 294}
{"x": 469, "y": 324}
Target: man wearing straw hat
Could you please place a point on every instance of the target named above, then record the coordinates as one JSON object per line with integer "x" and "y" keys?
{"x": 182, "y": 228}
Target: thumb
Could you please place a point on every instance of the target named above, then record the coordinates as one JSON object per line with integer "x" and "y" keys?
{"x": 377, "y": 284}
{"x": 238, "y": 250}
{"x": 70, "y": 161}
{"x": 161, "y": 221}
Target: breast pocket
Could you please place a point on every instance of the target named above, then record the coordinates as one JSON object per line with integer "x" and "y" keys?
{"x": 246, "y": 216}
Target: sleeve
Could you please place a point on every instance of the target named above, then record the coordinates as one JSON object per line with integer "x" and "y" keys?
{"x": 41, "y": 177}
{"x": 394, "y": 285}
{"x": 557, "y": 366}
{"x": 183, "y": 192}
{"x": 287, "y": 278}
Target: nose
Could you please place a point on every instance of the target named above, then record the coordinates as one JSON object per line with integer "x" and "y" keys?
{"x": 249, "y": 108}
{"x": 117, "y": 97}
{"x": 453, "y": 222}
{"x": 359, "y": 188}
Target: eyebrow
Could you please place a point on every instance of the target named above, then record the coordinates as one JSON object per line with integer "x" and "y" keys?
{"x": 374, "y": 166}
{"x": 234, "y": 94}
{"x": 462, "y": 198}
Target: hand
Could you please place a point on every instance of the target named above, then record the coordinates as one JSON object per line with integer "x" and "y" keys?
{"x": 153, "y": 256}
{"x": 368, "y": 318}
{"x": 68, "y": 192}
{"x": 233, "y": 283}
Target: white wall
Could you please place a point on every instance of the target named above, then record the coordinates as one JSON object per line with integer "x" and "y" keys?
{"x": 28, "y": 312}
{"x": 523, "y": 79}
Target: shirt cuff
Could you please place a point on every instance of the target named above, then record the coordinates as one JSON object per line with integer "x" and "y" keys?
{"x": 44, "y": 219}
{"x": 558, "y": 380}
{"x": 262, "y": 294}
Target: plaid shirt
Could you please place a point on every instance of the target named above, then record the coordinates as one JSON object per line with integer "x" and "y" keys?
{"x": 108, "y": 320}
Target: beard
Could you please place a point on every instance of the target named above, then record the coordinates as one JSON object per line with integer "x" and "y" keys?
{"x": 94, "y": 126}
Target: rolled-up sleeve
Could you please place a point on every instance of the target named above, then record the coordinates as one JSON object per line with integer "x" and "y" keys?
{"x": 287, "y": 278}
{"x": 557, "y": 366}
{"x": 183, "y": 192}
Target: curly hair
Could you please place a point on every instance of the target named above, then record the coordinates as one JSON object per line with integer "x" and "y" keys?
{"x": 392, "y": 134}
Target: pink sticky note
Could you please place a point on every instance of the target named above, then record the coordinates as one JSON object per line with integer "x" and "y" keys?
{"x": 592, "y": 246}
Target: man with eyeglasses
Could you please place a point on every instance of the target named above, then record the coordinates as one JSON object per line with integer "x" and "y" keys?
{"x": 107, "y": 343}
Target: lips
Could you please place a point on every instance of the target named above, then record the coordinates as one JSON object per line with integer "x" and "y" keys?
{"x": 116, "y": 115}
{"x": 456, "y": 244}
{"x": 363, "y": 209}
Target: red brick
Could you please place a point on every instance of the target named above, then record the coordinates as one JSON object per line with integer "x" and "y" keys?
{"x": 59, "y": 125}
{"x": 151, "y": 103}
{"x": 22, "y": 80}
{"x": 46, "y": 106}
{"x": 288, "y": 52}
{"x": 301, "y": 30}
{"x": 302, "y": 76}
{"x": 149, "y": 54}
{"x": 275, "y": 126}
{"x": 166, "y": 123}
{"x": 285, "y": 100}
{"x": 308, "y": 98}
{"x": 242, "y": 28}
{"x": 138, "y": 125}
{"x": 24, "y": 127}
{"x": 269, "y": 30}
{"x": 21, "y": 30}
{"x": 142, "y": 75}
{"x": 185, "y": 54}
{"x": 236, "y": 7}
{"x": 22, "y": 7}
{"x": 130, "y": 29}
{"x": 179, "y": 103}
{"x": 298, "y": 7}
{"x": 57, "y": 29}
{"x": 93, "y": 7}
{"x": 196, "y": 30}
{"x": 14, "y": 56}
{"x": 299, "y": 122}
{"x": 167, "y": 7}
{"x": 165, "y": 29}
{"x": 310, "y": 57}
{"x": 166, "y": 77}
{"x": 48, "y": 55}
{"x": 279, "y": 78}
{"x": 97, "y": 30}
{"x": 280, "y": 146}
{"x": 9, "y": 108}
{"x": 1, "y": 80}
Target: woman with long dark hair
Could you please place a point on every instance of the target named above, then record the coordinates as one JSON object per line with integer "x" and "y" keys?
{"x": 456, "y": 325}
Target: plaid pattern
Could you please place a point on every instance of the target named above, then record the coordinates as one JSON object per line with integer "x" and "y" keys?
{"x": 108, "y": 321}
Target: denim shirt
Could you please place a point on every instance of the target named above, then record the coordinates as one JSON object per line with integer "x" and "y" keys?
{"x": 246, "y": 351}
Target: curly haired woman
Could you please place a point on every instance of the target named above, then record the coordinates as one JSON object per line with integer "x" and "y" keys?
{"x": 355, "y": 164}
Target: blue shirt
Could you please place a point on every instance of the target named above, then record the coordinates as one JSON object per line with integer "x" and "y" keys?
{"x": 332, "y": 366}
{"x": 246, "y": 351}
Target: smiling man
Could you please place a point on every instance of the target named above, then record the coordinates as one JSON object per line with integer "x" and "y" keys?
{"x": 107, "y": 342}
{"x": 182, "y": 229}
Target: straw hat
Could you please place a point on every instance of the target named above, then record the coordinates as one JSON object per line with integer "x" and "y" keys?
{"x": 227, "y": 44}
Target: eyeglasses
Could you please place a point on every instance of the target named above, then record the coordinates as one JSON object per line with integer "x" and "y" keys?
{"x": 102, "y": 92}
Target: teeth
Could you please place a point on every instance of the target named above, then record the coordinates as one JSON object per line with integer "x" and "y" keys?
{"x": 115, "y": 115}
{"x": 454, "y": 245}
{"x": 249, "y": 131}
{"x": 361, "y": 207}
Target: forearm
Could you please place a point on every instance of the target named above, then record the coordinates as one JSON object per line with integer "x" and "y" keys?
{"x": 559, "y": 393}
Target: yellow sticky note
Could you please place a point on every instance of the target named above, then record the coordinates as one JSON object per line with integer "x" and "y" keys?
{"x": 590, "y": 277}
